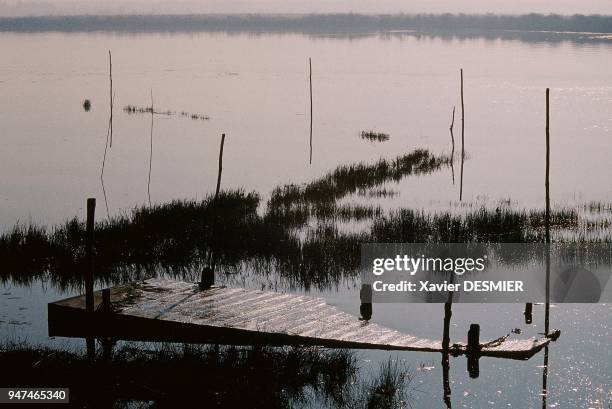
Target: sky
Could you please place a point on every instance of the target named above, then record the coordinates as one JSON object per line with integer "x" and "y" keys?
{"x": 67, "y": 7}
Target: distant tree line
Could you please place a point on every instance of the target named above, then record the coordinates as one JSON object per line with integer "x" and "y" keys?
{"x": 309, "y": 23}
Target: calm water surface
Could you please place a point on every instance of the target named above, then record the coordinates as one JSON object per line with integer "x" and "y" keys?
{"x": 255, "y": 89}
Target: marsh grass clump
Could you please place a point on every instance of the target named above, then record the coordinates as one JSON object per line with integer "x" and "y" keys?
{"x": 374, "y": 136}
{"x": 194, "y": 116}
{"x": 87, "y": 105}
{"x": 170, "y": 374}
{"x": 391, "y": 387}
{"x": 349, "y": 179}
{"x": 501, "y": 225}
{"x": 377, "y": 193}
{"x": 295, "y": 204}
{"x": 132, "y": 109}
{"x": 176, "y": 235}
{"x": 296, "y": 236}
{"x": 598, "y": 207}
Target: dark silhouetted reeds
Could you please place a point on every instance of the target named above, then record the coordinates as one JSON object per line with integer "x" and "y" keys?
{"x": 374, "y": 136}
{"x": 171, "y": 376}
{"x": 297, "y": 236}
{"x": 132, "y": 109}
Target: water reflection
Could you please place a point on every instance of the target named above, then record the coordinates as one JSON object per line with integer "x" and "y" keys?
{"x": 150, "y": 152}
{"x": 109, "y": 132}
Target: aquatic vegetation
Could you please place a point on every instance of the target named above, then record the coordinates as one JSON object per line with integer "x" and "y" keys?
{"x": 390, "y": 389}
{"x": 502, "y": 225}
{"x": 169, "y": 375}
{"x": 194, "y": 116}
{"x": 377, "y": 193}
{"x": 598, "y": 207}
{"x": 374, "y": 136}
{"x": 296, "y": 236}
{"x": 86, "y": 105}
{"x": 349, "y": 179}
{"x": 132, "y": 109}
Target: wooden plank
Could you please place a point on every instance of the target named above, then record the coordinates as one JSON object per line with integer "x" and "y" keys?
{"x": 166, "y": 310}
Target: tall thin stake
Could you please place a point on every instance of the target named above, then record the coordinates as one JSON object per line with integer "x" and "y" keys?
{"x": 452, "y": 158}
{"x": 462, "y": 138}
{"x": 547, "y": 181}
{"x": 208, "y": 273}
{"x": 112, "y": 95}
{"x": 310, "y": 77}
{"x": 89, "y": 280}
{"x": 150, "y": 152}
{"x": 448, "y": 313}
{"x": 547, "y": 184}
{"x": 547, "y": 305}
{"x": 109, "y": 131}
{"x": 220, "y": 166}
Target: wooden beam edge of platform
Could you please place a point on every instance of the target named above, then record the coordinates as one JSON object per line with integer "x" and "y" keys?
{"x": 67, "y": 321}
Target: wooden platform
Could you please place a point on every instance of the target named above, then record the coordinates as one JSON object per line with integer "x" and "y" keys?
{"x": 174, "y": 311}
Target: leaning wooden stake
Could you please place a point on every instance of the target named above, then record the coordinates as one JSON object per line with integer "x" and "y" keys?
{"x": 220, "y": 166}
{"x": 462, "y": 138}
{"x": 89, "y": 291}
{"x": 207, "y": 278}
{"x": 310, "y": 77}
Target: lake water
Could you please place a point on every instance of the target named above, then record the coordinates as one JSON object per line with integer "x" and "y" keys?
{"x": 255, "y": 89}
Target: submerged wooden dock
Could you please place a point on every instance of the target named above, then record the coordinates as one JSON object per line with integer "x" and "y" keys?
{"x": 174, "y": 311}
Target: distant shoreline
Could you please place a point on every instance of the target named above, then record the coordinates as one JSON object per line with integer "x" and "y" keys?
{"x": 311, "y": 23}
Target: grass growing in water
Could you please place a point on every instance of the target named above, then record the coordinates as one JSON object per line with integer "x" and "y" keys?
{"x": 171, "y": 375}
{"x": 132, "y": 109}
{"x": 176, "y": 238}
{"x": 178, "y": 375}
{"x": 374, "y": 136}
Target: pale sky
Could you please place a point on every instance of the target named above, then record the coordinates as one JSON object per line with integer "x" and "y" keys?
{"x": 43, "y": 7}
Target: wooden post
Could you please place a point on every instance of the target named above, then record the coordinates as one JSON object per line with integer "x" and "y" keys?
{"x": 103, "y": 323}
{"x": 112, "y": 97}
{"x": 207, "y": 278}
{"x": 528, "y": 313}
{"x": 473, "y": 347}
{"x": 547, "y": 180}
{"x": 446, "y": 379}
{"x": 544, "y": 392}
{"x": 547, "y": 184}
{"x": 365, "y": 295}
{"x": 89, "y": 280}
{"x": 106, "y": 301}
{"x": 150, "y": 152}
{"x": 452, "y": 159}
{"x": 448, "y": 313}
{"x": 220, "y": 166}
{"x": 89, "y": 240}
{"x": 310, "y": 77}
{"x": 473, "y": 344}
{"x": 473, "y": 366}
{"x": 462, "y": 138}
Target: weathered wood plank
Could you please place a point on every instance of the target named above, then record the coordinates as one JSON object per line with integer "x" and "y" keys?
{"x": 166, "y": 310}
